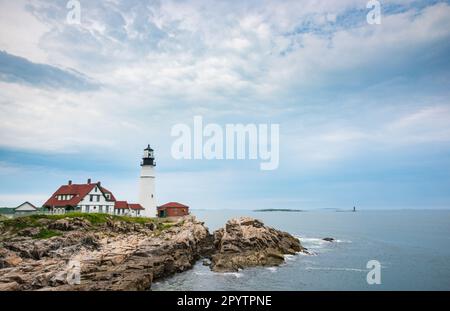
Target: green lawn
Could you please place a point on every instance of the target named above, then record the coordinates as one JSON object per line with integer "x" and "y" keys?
{"x": 46, "y": 234}
{"x": 22, "y": 222}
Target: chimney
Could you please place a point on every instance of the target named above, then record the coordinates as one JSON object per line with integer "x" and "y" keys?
{"x": 70, "y": 182}
{"x": 89, "y": 181}
{"x": 99, "y": 184}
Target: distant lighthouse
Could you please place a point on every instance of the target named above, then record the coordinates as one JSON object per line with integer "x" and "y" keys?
{"x": 147, "y": 183}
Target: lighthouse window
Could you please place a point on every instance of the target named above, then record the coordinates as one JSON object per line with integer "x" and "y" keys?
{"x": 152, "y": 195}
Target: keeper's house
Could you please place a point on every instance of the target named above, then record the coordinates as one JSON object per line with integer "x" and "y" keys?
{"x": 89, "y": 198}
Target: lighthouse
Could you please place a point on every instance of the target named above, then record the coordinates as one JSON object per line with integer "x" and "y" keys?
{"x": 147, "y": 183}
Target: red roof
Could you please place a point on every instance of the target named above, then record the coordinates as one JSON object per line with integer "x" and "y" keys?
{"x": 121, "y": 205}
{"x": 79, "y": 191}
{"x": 112, "y": 197}
{"x": 125, "y": 205}
{"x": 173, "y": 205}
{"x": 136, "y": 206}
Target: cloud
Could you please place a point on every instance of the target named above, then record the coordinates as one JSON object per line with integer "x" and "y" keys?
{"x": 328, "y": 145}
{"x": 170, "y": 60}
{"x": 14, "y": 200}
{"x": 341, "y": 90}
{"x": 201, "y": 53}
{"x": 17, "y": 69}
{"x": 21, "y": 32}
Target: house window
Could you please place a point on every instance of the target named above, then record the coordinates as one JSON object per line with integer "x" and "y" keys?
{"x": 100, "y": 209}
{"x": 98, "y": 198}
{"x": 95, "y": 189}
{"x": 91, "y": 198}
{"x": 87, "y": 208}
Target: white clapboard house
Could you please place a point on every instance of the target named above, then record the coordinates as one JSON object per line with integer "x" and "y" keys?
{"x": 89, "y": 198}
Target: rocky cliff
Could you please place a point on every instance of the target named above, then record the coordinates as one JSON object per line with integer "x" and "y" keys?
{"x": 246, "y": 242}
{"x": 89, "y": 252}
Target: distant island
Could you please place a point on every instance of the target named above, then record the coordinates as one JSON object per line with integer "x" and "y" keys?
{"x": 277, "y": 210}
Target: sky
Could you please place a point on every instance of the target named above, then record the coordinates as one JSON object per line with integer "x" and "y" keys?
{"x": 363, "y": 109}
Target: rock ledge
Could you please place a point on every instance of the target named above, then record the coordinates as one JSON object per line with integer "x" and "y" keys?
{"x": 247, "y": 242}
{"x": 50, "y": 254}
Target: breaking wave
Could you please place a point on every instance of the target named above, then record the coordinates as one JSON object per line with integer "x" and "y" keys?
{"x": 335, "y": 269}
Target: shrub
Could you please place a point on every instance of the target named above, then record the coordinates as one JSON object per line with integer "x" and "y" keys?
{"x": 46, "y": 234}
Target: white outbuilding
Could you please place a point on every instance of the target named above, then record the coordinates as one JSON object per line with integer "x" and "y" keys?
{"x": 25, "y": 208}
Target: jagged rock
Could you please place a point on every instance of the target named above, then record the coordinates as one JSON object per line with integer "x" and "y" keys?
{"x": 68, "y": 224}
{"x": 107, "y": 258}
{"x": 90, "y": 241}
{"x": 328, "y": 239}
{"x": 122, "y": 227}
{"x": 246, "y": 242}
{"x": 29, "y": 232}
{"x": 151, "y": 226}
{"x": 8, "y": 259}
{"x": 12, "y": 286}
{"x": 12, "y": 260}
{"x": 120, "y": 255}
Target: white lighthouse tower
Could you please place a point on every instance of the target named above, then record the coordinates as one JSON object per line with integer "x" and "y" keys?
{"x": 147, "y": 183}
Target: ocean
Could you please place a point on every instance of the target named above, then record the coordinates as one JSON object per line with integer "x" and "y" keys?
{"x": 412, "y": 246}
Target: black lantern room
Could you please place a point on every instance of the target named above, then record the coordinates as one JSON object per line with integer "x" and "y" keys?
{"x": 149, "y": 157}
